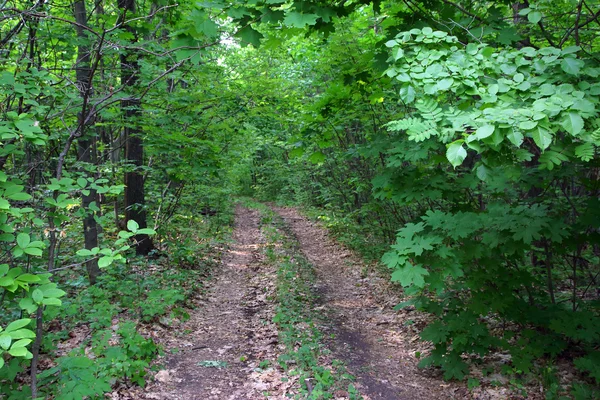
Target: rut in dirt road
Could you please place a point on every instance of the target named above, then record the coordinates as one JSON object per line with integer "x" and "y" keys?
{"x": 367, "y": 337}
{"x": 231, "y": 333}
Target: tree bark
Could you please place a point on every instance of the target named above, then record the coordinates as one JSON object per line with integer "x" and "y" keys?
{"x": 86, "y": 143}
{"x": 134, "y": 147}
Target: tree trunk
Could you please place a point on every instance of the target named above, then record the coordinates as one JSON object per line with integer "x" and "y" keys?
{"x": 134, "y": 147}
{"x": 86, "y": 144}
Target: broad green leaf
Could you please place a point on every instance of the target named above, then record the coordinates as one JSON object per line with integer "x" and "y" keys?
{"x": 445, "y": 84}
{"x": 105, "y": 261}
{"x": 3, "y": 269}
{"x": 29, "y": 278}
{"x": 456, "y": 153}
{"x": 23, "y": 240}
{"x": 52, "y": 301}
{"x": 18, "y": 352}
{"x": 571, "y": 65}
{"x": 436, "y": 332}
{"x": 484, "y": 131}
{"x": 515, "y": 137}
{"x": 20, "y": 343}
{"x": 146, "y": 231}
{"x": 407, "y": 94}
{"x": 54, "y": 293}
{"x": 18, "y": 324}
{"x": 528, "y": 125}
{"x": 132, "y": 225}
{"x": 534, "y": 17}
{"x": 409, "y": 275}
{"x": 82, "y": 182}
{"x": 482, "y": 172}
{"x": 83, "y": 253}
{"x": 391, "y": 259}
{"x": 5, "y": 341}
{"x": 573, "y": 123}
{"x": 541, "y": 137}
{"x": 248, "y": 35}
{"x": 317, "y": 157}
{"x": 33, "y": 251}
{"x": 37, "y": 295}
{"x": 300, "y": 20}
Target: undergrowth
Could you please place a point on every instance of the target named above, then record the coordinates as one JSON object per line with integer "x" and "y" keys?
{"x": 99, "y": 337}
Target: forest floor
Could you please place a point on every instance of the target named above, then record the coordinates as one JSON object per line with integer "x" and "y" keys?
{"x": 229, "y": 348}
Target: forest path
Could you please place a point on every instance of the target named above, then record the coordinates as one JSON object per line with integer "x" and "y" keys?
{"x": 229, "y": 334}
{"x": 374, "y": 341}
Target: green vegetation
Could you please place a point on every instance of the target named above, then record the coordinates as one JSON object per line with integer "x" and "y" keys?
{"x": 455, "y": 141}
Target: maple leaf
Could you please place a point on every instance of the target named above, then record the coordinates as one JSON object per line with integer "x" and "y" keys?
{"x": 300, "y": 20}
{"x": 410, "y": 275}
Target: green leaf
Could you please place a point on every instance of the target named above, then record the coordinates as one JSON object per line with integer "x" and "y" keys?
{"x": 132, "y": 225}
{"x": 105, "y": 261}
{"x": 515, "y": 137}
{"x": 445, "y": 84}
{"x": 18, "y": 352}
{"x": 33, "y": 251}
{"x": 28, "y": 278}
{"x": 534, "y": 17}
{"x": 54, "y": 293}
{"x": 82, "y": 182}
{"x": 300, "y": 20}
{"x": 20, "y": 343}
{"x": 83, "y": 253}
{"x": 391, "y": 259}
{"x": 585, "y": 152}
{"x": 18, "y": 324}
{"x": 37, "y": 295}
{"x": 528, "y": 125}
{"x": 435, "y": 332}
{"x": 571, "y": 65}
{"x": 5, "y": 341}
{"x": 456, "y": 153}
{"x": 146, "y": 231}
{"x": 52, "y": 302}
{"x": 573, "y": 123}
{"x": 317, "y": 157}
{"x": 407, "y": 94}
{"x": 23, "y": 240}
{"x": 409, "y": 275}
{"x": 541, "y": 137}
{"x": 484, "y": 131}
{"x": 248, "y": 35}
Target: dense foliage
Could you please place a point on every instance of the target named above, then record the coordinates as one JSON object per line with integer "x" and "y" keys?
{"x": 462, "y": 134}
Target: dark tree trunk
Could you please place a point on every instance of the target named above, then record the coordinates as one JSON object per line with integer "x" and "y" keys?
{"x": 86, "y": 143}
{"x": 134, "y": 147}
